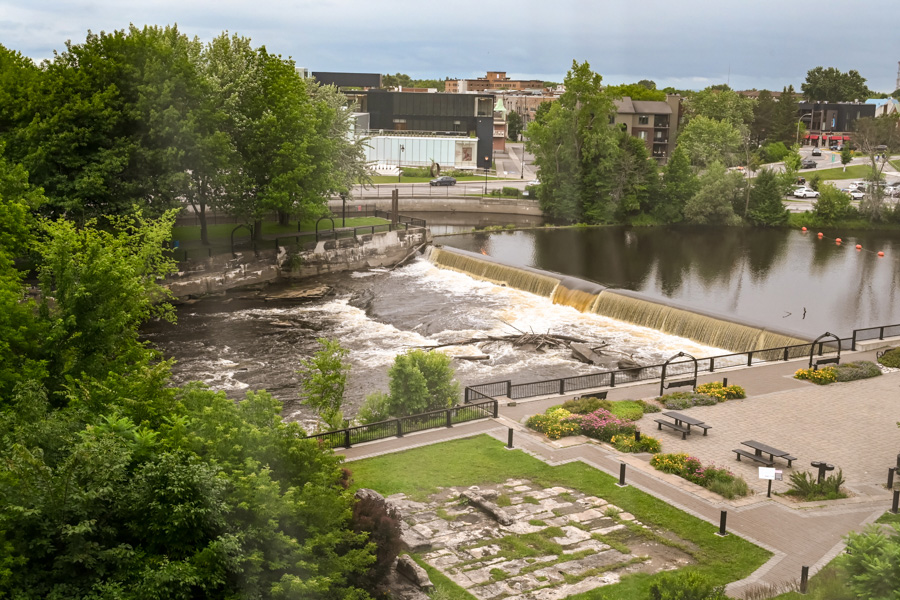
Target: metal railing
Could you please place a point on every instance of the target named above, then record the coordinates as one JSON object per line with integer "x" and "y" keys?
{"x": 869, "y": 333}
{"x": 609, "y": 379}
{"x": 461, "y": 189}
{"x": 485, "y": 408}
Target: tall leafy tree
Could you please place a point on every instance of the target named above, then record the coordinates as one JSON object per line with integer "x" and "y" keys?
{"x": 679, "y": 185}
{"x": 636, "y": 91}
{"x": 877, "y": 138}
{"x": 514, "y": 125}
{"x": 706, "y": 140}
{"x": 785, "y": 125}
{"x": 765, "y": 205}
{"x": 834, "y": 86}
{"x": 720, "y": 105}
{"x": 717, "y": 192}
{"x": 323, "y": 378}
{"x": 763, "y": 117}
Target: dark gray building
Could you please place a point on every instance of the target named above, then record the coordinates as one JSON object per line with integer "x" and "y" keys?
{"x": 831, "y": 122}
{"x": 348, "y": 80}
{"x": 472, "y": 114}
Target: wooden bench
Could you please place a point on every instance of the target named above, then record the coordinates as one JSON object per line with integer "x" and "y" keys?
{"x": 703, "y": 426}
{"x": 598, "y": 395}
{"x": 684, "y": 430}
{"x": 760, "y": 459}
{"x": 826, "y": 361}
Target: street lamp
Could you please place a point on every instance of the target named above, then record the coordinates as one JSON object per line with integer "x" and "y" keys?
{"x": 400, "y": 160}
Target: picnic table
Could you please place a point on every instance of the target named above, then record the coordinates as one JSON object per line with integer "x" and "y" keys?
{"x": 759, "y": 448}
{"x": 681, "y": 423}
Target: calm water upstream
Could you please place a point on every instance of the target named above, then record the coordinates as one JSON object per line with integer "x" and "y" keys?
{"x": 777, "y": 278}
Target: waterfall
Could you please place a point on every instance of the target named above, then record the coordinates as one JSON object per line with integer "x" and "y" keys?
{"x": 623, "y": 305}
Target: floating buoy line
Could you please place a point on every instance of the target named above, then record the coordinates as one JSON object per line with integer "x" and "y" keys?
{"x": 838, "y": 242}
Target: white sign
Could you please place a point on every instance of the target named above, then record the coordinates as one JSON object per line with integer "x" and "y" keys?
{"x": 766, "y": 473}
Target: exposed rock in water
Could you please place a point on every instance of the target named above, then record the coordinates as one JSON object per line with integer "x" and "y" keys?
{"x": 293, "y": 293}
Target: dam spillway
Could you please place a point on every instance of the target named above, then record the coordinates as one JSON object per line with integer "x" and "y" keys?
{"x": 623, "y": 305}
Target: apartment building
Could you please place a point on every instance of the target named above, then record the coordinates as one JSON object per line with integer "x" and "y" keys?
{"x": 655, "y": 122}
{"x": 495, "y": 80}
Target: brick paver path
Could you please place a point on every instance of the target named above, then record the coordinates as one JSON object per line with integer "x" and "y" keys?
{"x": 851, "y": 425}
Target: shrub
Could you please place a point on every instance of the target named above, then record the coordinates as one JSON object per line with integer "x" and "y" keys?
{"x": 823, "y": 376}
{"x": 891, "y": 358}
{"x": 376, "y": 408}
{"x": 372, "y": 515}
{"x": 854, "y": 371}
{"x": 583, "y": 406}
{"x": 720, "y": 392}
{"x": 555, "y": 423}
{"x": 627, "y": 443}
{"x": 805, "y": 486}
{"x": 685, "y": 585}
{"x": 627, "y": 410}
{"x": 648, "y": 407}
{"x": 603, "y": 425}
{"x": 510, "y": 192}
{"x": 716, "y": 479}
{"x": 682, "y": 400}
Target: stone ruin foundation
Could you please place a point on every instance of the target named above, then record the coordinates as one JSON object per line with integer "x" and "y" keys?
{"x": 568, "y": 543}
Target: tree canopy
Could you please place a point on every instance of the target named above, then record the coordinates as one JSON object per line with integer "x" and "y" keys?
{"x": 834, "y": 86}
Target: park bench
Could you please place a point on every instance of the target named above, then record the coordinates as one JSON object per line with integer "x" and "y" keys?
{"x": 760, "y": 459}
{"x": 598, "y": 395}
{"x": 834, "y": 360}
{"x": 681, "y": 383}
{"x": 684, "y": 430}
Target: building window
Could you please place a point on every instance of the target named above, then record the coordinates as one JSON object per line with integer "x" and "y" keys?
{"x": 612, "y": 119}
{"x": 642, "y": 135}
{"x": 643, "y": 120}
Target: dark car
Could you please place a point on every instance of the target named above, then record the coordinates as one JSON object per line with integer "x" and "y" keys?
{"x": 443, "y": 180}
{"x": 807, "y": 163}
{"x": 817, "y": 152}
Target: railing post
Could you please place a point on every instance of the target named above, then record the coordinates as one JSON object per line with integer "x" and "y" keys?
{"x": 346, "y": 438}
{"x": 712, "y": 364}
{"x": 509, "y": 388}
{"x": 612, "y": 379}
{"x": 399, "y": 428}
{"x": 750, "y": 359}
{"x": 449, "y": 420}
{"x": 853, "y": 341}
{"x": 881, "y": 333}
{"x": 785, "y": 353}
{"x": 496, "y": 409}
{"x": 562, "y": 387}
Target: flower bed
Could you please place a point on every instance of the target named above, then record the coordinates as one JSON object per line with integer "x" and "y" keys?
{"x": 682, "y": 400}
{"x": 851, "y": 371}
{"x": 600, "y": 424}
{"x": 555, "y": 423}
{"x": 716, "y": 479}
{"x": 721, "y": 392}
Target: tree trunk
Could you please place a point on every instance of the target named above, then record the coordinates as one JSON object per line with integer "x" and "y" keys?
{"x": 201, "y": 214}
{"x": 257, "y": 230}
{"x": 284, "y": 218}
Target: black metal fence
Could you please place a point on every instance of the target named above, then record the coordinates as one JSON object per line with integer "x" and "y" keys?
{"x": 510, "y": 189}
{"x": 602, "y": 379}
{"x": 344, "y": 438}
{"x": 874, "y": 333}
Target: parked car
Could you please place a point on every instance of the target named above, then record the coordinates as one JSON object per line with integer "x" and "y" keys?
{"x": 807, "y": 163}
{"x": 443, "y": 180}
{"x": 857, "y": 185}
{"x": 817, "y": 152}
{"x": 892, "y": 190}
{"x": 854, "y": 193}
{"x": 805, "y": 192}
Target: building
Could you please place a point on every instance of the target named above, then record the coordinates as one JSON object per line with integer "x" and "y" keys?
{"x": 655, "y": 122}
{"x": 495, "y": 80}
{"x": 362, "y": 81}
{"x": 451, "y": 115}
{"x": 829, "y": 123}
{"x": 526, "y": 105}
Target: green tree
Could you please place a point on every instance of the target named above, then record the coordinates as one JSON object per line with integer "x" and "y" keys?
{"x": 421, "y": 381}
{"x": 647, "y": 83}
{"x": 763, "y": 117}
{"x": 832, "y": 206}
{"x": 713, "y": 204}
{"x": 679, "y": 185}
{"x": 834, "y": 86}
{"x": 846, "y": 156}
{"x": 872, "y": 562}
{"x": 720, "y": 105}
{"x": 635, "y": 91}
{"x": 323, "y": 378}
{"x": 765, "y": 205}
{"x": 685, "y": 585}
{"x": 706, "y": 140}
{"x": 785, "y": 124}
{"x": 514, "y": 125}
{"x": 877, "y": 138}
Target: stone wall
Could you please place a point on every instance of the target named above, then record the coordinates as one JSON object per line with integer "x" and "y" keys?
{"x": 221, "y": 273}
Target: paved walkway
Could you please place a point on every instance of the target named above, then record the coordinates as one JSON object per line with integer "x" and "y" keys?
{"x": 852, "y": 425}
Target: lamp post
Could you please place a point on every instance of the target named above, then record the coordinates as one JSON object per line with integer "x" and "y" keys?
{"x": 486, "y": 159}
{"x": 400, "y": 160}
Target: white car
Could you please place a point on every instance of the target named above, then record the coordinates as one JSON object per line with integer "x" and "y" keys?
{"x": 805, "y": 192}
{"x": 892, "y": 190}
{"x": 857, "y": 185}
{"x": 856, "y": 194}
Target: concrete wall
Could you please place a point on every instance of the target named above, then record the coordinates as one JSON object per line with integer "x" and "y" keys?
{"x": 221, "y": 273}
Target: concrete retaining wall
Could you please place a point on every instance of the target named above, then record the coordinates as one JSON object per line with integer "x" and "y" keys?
{"x": 467, "y": 204}
{"x": 221, "y": 273}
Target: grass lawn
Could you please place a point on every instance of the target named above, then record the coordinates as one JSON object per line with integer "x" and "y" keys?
{"x": 852, "y": 172}
{"x": 473, "y": 461}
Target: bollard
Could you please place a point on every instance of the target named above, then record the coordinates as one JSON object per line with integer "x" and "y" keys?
{"x": 894, "y": 505}
{"x": 637, "y": 435}
{"x": 724, "y": 382}
{"x": 723, "y": 516}
{"x": 804, "y": 579}
{"x": 621, "y": 475}
{"x": 509, "y": 440}
{"x": 890, "y": 482}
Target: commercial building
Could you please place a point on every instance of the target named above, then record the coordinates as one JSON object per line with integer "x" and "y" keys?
{"x": 495, "y": 80}
{"x": 428, "y": 115}
{"x": 363, "y": 81}
{"x": 829, "y": 123}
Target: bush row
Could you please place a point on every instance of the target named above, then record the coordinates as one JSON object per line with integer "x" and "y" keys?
{"x": 599, "y": 424}
{"x": 716, "y": 479}
{"x": 851, "y": 371}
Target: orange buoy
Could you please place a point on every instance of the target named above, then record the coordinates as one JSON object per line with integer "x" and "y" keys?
{"x": 859, "y": 246}
{"x": 838, "y": 240}
{"x": 803, "y": 229}
{"x": 820, "y": 234}
{"x": 881, "y": 254}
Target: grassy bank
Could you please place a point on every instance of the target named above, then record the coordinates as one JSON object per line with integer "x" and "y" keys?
{"x": 420, "y": 472}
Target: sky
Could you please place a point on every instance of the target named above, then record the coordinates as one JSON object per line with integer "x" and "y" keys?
{"x": 762, "y": 44}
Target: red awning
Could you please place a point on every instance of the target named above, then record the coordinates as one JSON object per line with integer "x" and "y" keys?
{"x": 813, "y": 137}
{"x": 847, "y": 138}
{"x": 835, "y": 137}
{"x": 807, "y": 136}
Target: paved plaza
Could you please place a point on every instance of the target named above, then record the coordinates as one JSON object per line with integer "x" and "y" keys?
{"x": 852, "y": 425}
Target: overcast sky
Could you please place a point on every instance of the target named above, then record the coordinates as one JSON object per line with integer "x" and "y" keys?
{"x": 688, "y": 44}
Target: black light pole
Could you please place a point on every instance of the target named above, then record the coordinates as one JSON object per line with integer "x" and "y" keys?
{"x": 486, "y": 159}
{"x": 343, "y": 209}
